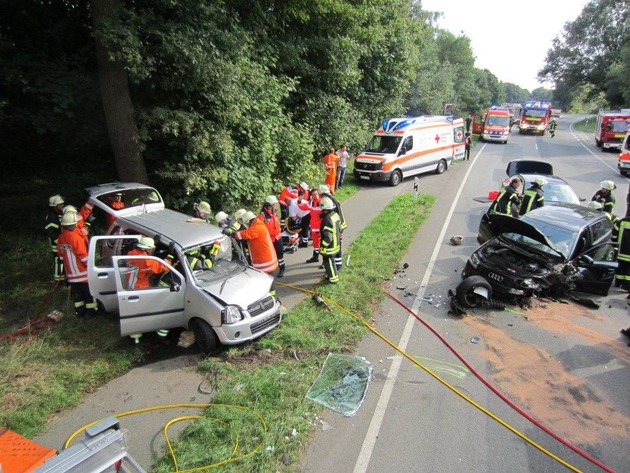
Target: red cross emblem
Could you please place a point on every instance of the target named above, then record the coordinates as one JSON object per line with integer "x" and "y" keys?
{"x": 459, "y": 135}
{"x": 437, "y": 138}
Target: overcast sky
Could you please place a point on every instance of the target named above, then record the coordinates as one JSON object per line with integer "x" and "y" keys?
{"x": 509, "y": 38}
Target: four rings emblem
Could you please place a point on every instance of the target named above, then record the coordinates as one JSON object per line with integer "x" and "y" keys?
{"x": 495, "y": 277}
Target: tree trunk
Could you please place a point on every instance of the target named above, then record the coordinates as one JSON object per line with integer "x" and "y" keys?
{"x": 119, "y": 113}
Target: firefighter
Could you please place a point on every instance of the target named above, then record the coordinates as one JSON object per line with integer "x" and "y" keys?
{"x": 115, "y": 203}
{"x": 201, "y": 210}
{"x": 324, "y": 191}
{"x": 330, "y": 232}
{"x": 269, "y": 216}
{"x": 199, "y": 260}
{"x": 552, "y": 127}
{"x": 84, "y": 217}
{"x": 621, "y": 235}
{"x": 533, "y": 197}
{"x": 605, "y": 197}
{"x": 509, "y": 201}
{"x": 53, "y": 230}
{"x": 261, "y": 248}
{"x": 72, "y": 249}
{"x": 146, "y": 267}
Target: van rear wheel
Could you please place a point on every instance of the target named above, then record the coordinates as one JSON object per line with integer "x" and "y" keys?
{"x": 395, "y": 178}
{"x": 206, "y": 339}
{"x": 441, "y": 167}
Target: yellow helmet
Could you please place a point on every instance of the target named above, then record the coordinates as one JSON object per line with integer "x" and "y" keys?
{"x": 70, "y": 208}
{"x": 239, "y": 214}
{"x": 220, "y": 216}
{"x": 247, "y": 216}
{"x": 323, "y": 189}
{"x": 326, "y": 204}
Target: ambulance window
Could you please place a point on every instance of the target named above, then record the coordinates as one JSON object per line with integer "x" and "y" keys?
{"x": 407, "y": 145}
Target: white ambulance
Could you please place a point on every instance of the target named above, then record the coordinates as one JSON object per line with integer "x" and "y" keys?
{"x": 407, "y": 146}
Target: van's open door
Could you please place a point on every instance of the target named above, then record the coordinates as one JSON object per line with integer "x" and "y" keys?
{"x": 159, "y": 306}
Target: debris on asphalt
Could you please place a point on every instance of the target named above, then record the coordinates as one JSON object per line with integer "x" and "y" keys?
{"x": 474, "y": 340}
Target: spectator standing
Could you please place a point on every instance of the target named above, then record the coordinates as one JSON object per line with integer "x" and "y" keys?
{"x": 467, "y": 146}
{"x": 468, "y": 123}
{"x": 330, "y": 161}
{"x": 261, "y": 249}
{"x": 72, "y": 249}
{"x": 269, "y": 216}
{"x": 342, "y": 163}
{"x": 53, "y": 230}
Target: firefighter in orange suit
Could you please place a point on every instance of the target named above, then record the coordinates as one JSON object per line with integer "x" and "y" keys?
{"x": 72, "y": 249}
{"x": 261, "y": 249}
{"x": 146, "y": 267}
{"x": 269, "y": 216}
{"x": 330, "y": 161}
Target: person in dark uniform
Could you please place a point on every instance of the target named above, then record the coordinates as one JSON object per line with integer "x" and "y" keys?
{"x": 533, "y": 197}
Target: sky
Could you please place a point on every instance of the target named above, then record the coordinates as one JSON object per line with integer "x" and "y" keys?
{"x": 516, "y": 52}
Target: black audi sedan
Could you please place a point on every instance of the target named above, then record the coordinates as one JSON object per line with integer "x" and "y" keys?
{"x": 552, "y": 249}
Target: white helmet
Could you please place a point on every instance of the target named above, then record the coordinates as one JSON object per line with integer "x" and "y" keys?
{"x": 55, "y": 200}
{"x": 69, "y": 219}
{"x": 594, "y": 205}
{"x": 609, "y": 185}
{"x": 304, "y": 185}
{"x": 541, "y": 181}
{"x": 239, "y": 214}
{"x": 203, "y": 207}
{"x": 271, "y": 200}
{"x": 323, "y": 189}
{"x": 326, "y": 204}
{"x": 70, "y": 208}
{"x": 146, "y": 243}
{"x": 220, "y": 216}
{"x": 247, "y": 216}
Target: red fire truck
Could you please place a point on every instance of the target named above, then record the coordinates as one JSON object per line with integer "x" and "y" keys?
{"x": 535, "y": 118}
{"x": 611, "y": 128}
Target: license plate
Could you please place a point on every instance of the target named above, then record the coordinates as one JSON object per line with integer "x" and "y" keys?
{"x": 365, "y": 177}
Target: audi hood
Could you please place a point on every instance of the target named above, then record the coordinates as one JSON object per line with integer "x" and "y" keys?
{"x": 506, "y": 224}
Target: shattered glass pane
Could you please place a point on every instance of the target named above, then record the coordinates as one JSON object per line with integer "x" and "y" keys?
{"x": 342, "y": 384}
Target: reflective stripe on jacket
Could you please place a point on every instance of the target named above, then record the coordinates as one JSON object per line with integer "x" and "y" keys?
{"x": 330, "y": 233}
{"x": 72, "y": 248}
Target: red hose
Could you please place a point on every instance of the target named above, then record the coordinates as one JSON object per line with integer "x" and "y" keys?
{"x": 497, "y": 392}
{"x": 39, "y": 319}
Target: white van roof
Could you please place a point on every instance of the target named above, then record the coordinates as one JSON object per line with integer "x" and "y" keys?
{"x": 390, "y": 125}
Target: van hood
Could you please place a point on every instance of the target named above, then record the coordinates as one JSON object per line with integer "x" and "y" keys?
{"x": 506, "y": 224}
{"x": 237, "y": 284}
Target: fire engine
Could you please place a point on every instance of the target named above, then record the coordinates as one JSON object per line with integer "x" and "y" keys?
{"x": 611, "y": 128}
{"x": 535, "y": 118}
{"x": 623, "y": 164}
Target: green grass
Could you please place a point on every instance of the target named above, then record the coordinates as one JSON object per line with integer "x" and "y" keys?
{"x": 273, "y": 375}
{"x": 587, "y": 125}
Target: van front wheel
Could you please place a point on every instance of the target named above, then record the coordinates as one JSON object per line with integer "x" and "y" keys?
{"x": 395, "y": 178}
{"x": 206, "y": 339}
{"x": 441, "y": 167}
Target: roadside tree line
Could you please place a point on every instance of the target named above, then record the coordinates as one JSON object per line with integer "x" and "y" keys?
{"x": 225, "y": 101}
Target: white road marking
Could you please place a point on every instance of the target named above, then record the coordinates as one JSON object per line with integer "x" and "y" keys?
{"x": 371, "y": 435}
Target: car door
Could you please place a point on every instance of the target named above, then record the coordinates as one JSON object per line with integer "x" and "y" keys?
{"x": 597, "y": 267}
{"x": 159, "y": 306}
{"x": 101, "y": 266}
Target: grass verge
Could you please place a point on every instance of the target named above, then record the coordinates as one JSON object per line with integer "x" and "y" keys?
{"x": 273, "y": 375}
{"x": 587, "y": 125}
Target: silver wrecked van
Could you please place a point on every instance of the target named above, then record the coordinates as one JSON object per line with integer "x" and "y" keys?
{"x": 229, "y": 303}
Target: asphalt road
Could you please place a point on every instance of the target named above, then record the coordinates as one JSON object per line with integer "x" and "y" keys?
{"x": 565, "y": 365}
{"x": 409, "y": 422}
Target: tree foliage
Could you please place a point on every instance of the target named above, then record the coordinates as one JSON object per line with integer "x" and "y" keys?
{"x": 593, "y": 50}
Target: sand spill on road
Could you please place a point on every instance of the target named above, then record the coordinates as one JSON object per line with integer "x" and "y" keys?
{"x": 539, "y": 383}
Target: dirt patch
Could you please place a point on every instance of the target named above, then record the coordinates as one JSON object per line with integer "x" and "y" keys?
{"x": 540, "y": 384}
